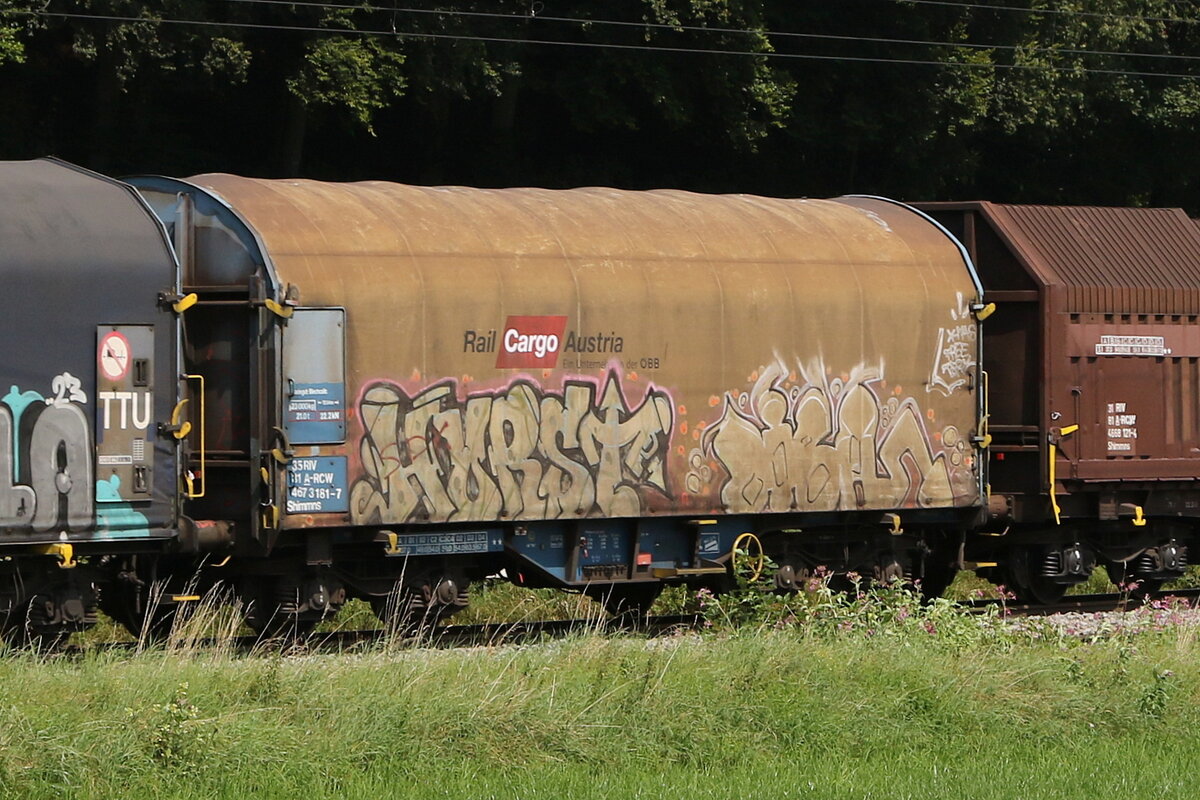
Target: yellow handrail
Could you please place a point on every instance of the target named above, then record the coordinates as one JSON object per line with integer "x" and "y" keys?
{"x": 1067, "y": 431}
{"x": 982, "y": 437}
{"x": 192, "y": 494}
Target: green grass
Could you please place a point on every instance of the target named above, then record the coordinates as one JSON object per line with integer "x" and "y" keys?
{"x": 820, "y": 695}
{"x": 751, "y": 714}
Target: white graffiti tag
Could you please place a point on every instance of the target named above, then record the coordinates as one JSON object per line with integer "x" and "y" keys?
{"x": 956, "y": 350}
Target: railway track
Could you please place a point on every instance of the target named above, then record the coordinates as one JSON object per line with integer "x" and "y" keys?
{"x": 505, "y": 632}
{"x": 1088, "y": 603}
{"x": 485, "y": 634}
{"x": 496, "y": 633}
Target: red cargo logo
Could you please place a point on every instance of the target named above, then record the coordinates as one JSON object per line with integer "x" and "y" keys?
{"x": 530, "y": 342}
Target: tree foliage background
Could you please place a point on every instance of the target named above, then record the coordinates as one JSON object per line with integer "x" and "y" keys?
{"x": 1072, "y": 101}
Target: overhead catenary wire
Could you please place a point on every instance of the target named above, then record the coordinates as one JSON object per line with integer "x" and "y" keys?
{"x": 419, "y": 35}
{"x": 768, "y": 34}
{"x": 1049, "y": 11}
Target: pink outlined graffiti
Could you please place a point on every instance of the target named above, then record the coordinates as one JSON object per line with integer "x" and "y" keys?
{"x": 517, "y": 453}
{"x": 830, "y": 444}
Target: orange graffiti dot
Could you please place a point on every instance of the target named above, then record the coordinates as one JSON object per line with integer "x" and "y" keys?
{"x": 682, "y": 410}
{"x": 701, "y": 425}
{"x": 466, "y": 378}
{"x": 633, "y": 376}
{"x": 937, "y": 436}
{"x": 929, "y": 414}
{"x": 683, "y": 428}
{"x": 792, "y": 376}
{"x": 416, "y": 376}
{"x": 696, "y": 435}
{"x": 680, "y": 450}
{"x": 546, "y": 373}
{"x": 754, "y": 375}
{"x": 713, "y": 400}
{"x": 845, "y": 377}
{"x": 897, "y": 390}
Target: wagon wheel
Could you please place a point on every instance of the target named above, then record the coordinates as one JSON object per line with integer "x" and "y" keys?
{"x": 628, "y": 604}
{"x": 409, "y": 606}
{"x": 401, "y": 610}
{"x": 1120, "y": 574}
{"x": 276, "y": 623}
{"x": 937, "y": 578}
{"x": 1042, "y": 590}
{"x": 137, "y": 609}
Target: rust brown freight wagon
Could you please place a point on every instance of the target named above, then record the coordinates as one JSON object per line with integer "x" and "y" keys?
{"x": 410, "y": 388}
{"x": 1095, "y": 415}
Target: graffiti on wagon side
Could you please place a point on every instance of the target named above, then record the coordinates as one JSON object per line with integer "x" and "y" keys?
{"x": 832, "y": 443}
{"x": 519, "y": 453}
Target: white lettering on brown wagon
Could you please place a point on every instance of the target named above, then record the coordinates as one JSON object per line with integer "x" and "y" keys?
{"x": 1111, "y": 345}
{"x": 1121, "y": 429}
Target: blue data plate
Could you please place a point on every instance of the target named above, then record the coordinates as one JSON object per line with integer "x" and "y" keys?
{"x": 316, "y": 413}
{"x": 317, "y": 485}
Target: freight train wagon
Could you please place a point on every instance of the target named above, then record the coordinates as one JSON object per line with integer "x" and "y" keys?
{"x": 398, "y": 390}
{"x": 88, "y": 392}
{"x": 1092, "y": 357}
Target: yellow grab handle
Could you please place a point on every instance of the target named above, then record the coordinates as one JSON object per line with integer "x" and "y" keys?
{"x": 184, "y": 430}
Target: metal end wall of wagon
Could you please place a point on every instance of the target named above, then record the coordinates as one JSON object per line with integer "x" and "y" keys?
{"x": 1093, "y": 351}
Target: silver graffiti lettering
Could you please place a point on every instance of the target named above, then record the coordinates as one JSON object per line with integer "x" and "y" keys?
{"x": 47, "y": 474}
{"x": 60, "y": 467}
{"x": 16, "y": 502}
{"x": 523, "y": 453}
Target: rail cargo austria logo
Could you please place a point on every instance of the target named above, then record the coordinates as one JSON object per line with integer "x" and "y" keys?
{"x": 530, "y": 342}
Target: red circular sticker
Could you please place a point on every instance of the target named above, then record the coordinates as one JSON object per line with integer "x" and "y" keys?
{"x": 113, "y": 356}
